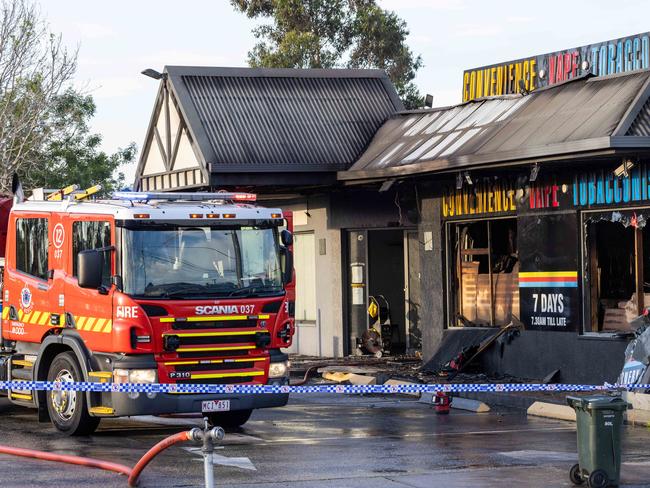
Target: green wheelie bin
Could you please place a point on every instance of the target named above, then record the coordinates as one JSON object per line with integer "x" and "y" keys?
{"x": 599, "y": 420}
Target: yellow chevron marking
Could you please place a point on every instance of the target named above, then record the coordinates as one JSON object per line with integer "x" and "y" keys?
{"x": 20, "y": 314}
{"x": 34, "y": 317}
{"x": 90, "y": 321}
{"x": 80, "y": 322}
{"x": 26, "y": 317}
{"x": 99, "y": 325}
{"x": 108, "y": 327}
{"x": 45, "y": 318}
{"x": 5, "y": 312}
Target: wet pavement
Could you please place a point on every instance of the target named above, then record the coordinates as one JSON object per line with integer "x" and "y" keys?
{"x": 323, "y": 441}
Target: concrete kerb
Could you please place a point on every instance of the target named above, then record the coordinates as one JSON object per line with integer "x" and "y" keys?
{"x": 634, "y": 417}
{"x": 640, "y": 412}
{"x": 552, "y": 411}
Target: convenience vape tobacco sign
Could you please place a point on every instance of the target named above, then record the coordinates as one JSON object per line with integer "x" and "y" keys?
{"x": 604, "y": 58}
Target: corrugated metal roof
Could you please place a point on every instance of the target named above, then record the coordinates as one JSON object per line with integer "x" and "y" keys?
{"x": 263, "y": 120}
{"x": 641, "y": 125}
{"x": 493, "y": 130}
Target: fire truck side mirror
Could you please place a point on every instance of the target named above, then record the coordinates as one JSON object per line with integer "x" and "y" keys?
{"x": 286, "y": 237}
{"x": 90, "y": 264}
{"x": 286, "y": 264}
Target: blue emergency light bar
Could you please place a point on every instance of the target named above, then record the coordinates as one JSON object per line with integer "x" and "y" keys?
{"x": 138, "y": 196}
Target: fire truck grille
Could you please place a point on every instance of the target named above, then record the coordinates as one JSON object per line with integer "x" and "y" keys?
{"x": 220, "y": 371}
{"x": 211, "y": 354}
{"x": 220, "y": 381}
{"x": 201, "y": 341}
{"x": 215, "y": 367}
{"x": 217, "y": 324}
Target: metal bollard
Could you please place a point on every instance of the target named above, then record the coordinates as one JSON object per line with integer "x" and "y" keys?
{"x": 208, "y": 436}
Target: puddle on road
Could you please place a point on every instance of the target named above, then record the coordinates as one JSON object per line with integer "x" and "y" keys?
{"x": 541, "y": 456}
{"x": 219, "y": 460}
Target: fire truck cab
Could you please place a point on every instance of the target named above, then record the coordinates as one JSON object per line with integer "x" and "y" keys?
{"x": 144, "y": 288}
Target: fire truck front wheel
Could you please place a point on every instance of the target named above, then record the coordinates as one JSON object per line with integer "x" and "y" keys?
{"x": 68, "y": 409}
{"x": 233, "y": 419}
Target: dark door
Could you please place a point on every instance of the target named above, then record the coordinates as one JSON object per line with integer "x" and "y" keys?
{"x": 386, "y": 279}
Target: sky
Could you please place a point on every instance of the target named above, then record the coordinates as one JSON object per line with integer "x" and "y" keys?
{"x": 117, "y": 39}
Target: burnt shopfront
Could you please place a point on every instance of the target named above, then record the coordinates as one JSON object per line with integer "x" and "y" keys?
{"x": 564, "y": 253}
{"x": 533, "y": 212}
{"x": 567, "y": 256}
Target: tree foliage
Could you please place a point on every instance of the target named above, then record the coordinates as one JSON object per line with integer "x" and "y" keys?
{"x": 72, "y": 154}
{"x": 333, "y": 34}
{"x": 44, "y": 133}
{"x": 34, "y": 68}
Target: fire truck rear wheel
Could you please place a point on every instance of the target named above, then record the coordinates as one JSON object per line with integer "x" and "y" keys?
{"x": 236, "y": 418}
{"x": 68, "y": 409}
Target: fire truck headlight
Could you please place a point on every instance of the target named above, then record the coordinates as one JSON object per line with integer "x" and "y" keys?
{"x": 279, "y": 370}
{"x": 143, "y": 376}
{"x": 135, "y": 376}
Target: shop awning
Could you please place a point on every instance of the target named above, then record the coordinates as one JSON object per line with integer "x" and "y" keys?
{"x": 586, "y": 116}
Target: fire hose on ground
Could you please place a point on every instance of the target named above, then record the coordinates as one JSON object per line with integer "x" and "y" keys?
{"x": 208, "y": 436}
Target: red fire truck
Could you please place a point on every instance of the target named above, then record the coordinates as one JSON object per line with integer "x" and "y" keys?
{"x": 185, "y": 288}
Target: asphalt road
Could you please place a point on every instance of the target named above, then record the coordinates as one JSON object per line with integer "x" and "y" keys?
{"x": 323, "y": 441}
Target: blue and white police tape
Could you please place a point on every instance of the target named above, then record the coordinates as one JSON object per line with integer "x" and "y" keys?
{"x": 176, "y": 388}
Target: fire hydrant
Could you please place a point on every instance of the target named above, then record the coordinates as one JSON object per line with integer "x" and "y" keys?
{"x": 208, "y": 436}
{"x": 442, "y": 402}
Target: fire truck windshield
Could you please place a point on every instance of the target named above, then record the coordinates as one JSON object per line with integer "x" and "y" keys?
{"x": 194, "y": 262}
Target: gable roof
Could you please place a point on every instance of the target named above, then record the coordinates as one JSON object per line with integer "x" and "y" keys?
{"x": 244, "y": 121}
{"x": 584, "y": 115}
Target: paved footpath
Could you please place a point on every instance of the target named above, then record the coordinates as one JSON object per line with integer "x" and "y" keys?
{"x": 326, "y": 441}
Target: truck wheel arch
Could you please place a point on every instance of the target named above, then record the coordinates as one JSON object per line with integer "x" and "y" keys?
{"x": 50, "y": 348}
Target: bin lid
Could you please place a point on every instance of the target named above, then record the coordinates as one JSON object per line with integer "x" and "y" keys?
{"x": 598, "y": 402}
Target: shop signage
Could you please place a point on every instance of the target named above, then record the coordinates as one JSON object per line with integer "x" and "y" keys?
{"x": 584, "y": 189}
{"x": 605, "y": 188}
{"x": 548, "y": 306}
{"x": 543, "y": 196}
{"x": 604, "y": 58}
{"x": 486, "y": 196}
{"x": 548, "y": 276}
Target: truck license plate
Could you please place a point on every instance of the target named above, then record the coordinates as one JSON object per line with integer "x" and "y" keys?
{"x": 215, "y": 406}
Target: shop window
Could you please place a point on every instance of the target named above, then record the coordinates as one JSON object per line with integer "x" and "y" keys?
{"x": 618, "y": 259}
{"x": 484, "y": 288}
{"x": 31, "y": 247}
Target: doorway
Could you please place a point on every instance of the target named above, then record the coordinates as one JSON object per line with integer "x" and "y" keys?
{"x": 386, "y": 281}
{"x": 383, "y": 266}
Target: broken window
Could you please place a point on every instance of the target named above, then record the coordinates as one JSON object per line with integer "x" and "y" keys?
{"x": 617, "y": 251}
{"x": 484, "y": 284}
